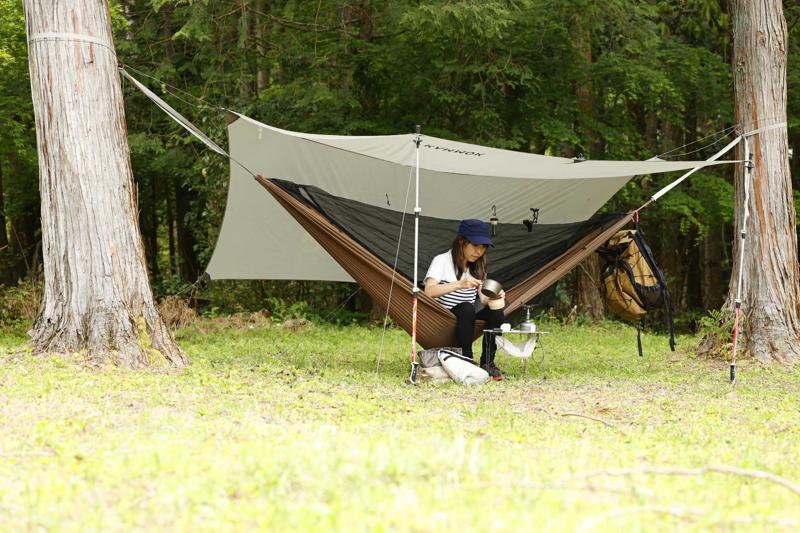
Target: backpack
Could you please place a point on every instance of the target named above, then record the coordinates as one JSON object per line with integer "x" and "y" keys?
{"x": 632, "y": 283}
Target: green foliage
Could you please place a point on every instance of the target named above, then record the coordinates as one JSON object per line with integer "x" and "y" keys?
{"x": 613, "y": 79}
{"x": 19, "y": 304}
{"x": 717, "y": 325}
{"x": 706, "y": 201}
{"x": 280, "y": 310}
{"x": 17, "y": 134}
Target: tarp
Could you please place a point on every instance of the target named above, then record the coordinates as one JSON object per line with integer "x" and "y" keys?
{"x": 259, "y": 240}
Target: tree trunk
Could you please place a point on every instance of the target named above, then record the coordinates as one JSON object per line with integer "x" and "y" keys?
{"x": 6, "y": 276}
{"x": 244, "y": 38}
{"x": 152, "y": 230}
{"x": 771, "y": 289}
{"x": 173, "y": 256}
{"x": 168, "y": 53}
{"x": 693, "y": 271}
{"x": 261, "y": 72}
{"x": 713, "y": 255}
{"x": 188, "y": 265}
{"x": 3, "y": 232}
{"x": 97, "y": 296}
{"x": 589, "y": 299}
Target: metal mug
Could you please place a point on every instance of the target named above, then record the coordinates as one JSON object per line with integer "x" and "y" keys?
{"x": 491, "y": 289}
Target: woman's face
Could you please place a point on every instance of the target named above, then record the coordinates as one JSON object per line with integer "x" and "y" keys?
{"x": 473, "y": 252}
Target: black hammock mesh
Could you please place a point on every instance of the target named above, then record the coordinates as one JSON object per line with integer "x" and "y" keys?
{"x": 517, "y": 253}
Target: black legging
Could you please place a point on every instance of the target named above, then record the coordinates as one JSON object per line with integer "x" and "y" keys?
{"x": 465, "y": 326}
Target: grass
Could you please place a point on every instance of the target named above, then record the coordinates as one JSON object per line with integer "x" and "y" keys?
{"x": 273, "y": 429}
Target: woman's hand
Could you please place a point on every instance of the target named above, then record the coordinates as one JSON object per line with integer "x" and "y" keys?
{"x": 468, "y": 283}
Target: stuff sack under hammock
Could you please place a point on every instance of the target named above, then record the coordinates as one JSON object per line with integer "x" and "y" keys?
{"x": 461, "y": 369}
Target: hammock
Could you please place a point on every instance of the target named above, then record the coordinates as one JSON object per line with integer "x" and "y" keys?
{"x": 435, "y": 325}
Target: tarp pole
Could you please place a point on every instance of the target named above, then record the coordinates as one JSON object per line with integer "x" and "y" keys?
{"x": 415, "y": 289}
{"x": 748, "y": 169}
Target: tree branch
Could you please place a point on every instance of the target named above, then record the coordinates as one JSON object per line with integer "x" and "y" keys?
{"x": 680, "y": 512}
{"x": 790, "y": 27}
{"x": 670, "y": 471}
{"x": 609, "y": 424}
{"x": 305, "y": 26}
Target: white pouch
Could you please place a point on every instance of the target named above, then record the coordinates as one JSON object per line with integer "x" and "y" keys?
{"x": 522, "y": 349}
{"x": 461, "y": 369}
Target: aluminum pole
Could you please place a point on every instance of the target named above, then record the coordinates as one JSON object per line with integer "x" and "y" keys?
{"x": 748, "y": 169}
{"x": 415, "y": 290}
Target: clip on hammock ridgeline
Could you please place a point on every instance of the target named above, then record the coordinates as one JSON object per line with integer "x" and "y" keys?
{"x": 529, "y": 222}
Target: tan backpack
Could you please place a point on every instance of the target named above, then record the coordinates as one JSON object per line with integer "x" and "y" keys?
{"x": 631, "y": 281}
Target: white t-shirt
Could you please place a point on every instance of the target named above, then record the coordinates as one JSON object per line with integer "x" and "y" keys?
{"x": 443, "y": 269}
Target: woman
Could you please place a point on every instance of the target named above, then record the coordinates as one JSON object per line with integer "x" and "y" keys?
{"x": 454, "y": 279}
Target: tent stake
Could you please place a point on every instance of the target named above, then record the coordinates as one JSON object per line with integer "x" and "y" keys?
{"x": 415, "y": 290}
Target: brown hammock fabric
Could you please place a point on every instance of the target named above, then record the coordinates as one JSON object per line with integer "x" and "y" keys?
{"x": 435, "y": 324}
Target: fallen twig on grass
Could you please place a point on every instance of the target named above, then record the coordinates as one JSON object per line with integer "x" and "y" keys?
{"x": 522, "y": 485}
{"x": 27, "y": 454}
{"x": 609, "y": 424}
{"x": 670, "y": 471}
{"x": 593, "y": 521}
{"x": 680, "y": 512}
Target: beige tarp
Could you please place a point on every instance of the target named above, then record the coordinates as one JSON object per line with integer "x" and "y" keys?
{"x": 259, "y": 240}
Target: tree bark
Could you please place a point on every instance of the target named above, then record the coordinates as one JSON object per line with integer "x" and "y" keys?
{"x": 97, "y": 298}
{"x": 168, "y": 53}
{"x": 590, "y": 301}
{"x": 713, "y": 255}
{"x": 6, "y": 277}
{"x": 261, "y": 72}
{"x": 771, "y": 279}
{"x": 245, "y": 88}
{"x": 188, "y": 265}
{"x": 3, "y": 232}
{"x": 173, "y": 255}
{"x": 152, "y": 229}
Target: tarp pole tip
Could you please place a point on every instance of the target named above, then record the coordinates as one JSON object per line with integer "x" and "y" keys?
{"x": 413, "y": 377}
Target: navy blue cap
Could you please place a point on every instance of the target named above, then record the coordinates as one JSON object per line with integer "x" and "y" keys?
{"x": 475, "y": 231}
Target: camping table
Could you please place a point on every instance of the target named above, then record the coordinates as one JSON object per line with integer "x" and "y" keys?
{"x": 489, "y": 334}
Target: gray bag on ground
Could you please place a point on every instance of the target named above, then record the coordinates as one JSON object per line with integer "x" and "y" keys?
{"x": 461, "y": 369}
{"x": 430, "y": 357}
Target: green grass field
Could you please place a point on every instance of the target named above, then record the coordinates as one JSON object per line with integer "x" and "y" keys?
{"x": 273, "y": 429}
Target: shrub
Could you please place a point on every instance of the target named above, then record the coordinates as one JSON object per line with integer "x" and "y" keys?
{"x": 176, "y": 312}
{"x": 20, "y": 303}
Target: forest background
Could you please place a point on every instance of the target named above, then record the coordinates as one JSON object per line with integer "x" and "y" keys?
{"x": 611, "y": 79}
